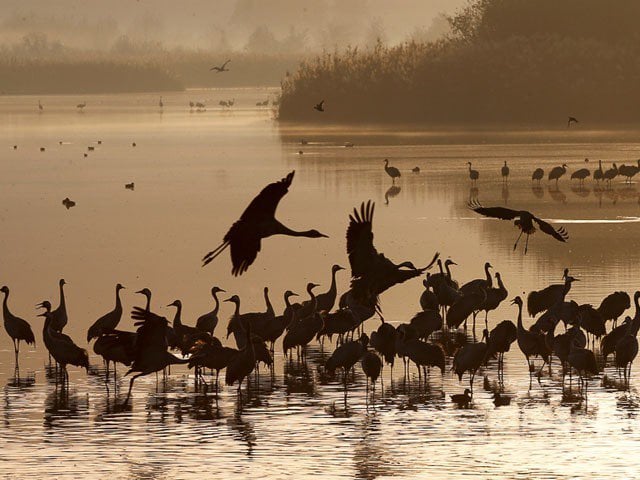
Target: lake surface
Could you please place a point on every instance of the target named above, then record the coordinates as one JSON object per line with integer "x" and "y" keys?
{"x": 194, "y": 173}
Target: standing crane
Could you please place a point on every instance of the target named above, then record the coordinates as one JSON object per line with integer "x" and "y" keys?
{"x": 17, "y": 328}
{"x": 393, "y": 172}
{"x": 109, "y": 321}
{"x": 209, "y": 321}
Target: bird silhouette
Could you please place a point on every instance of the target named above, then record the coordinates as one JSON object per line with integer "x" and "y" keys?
{"x": 571, "y": 120}
{"x": 241, "y": 365}
{"x": 209, "y": 321}
{"x": 598, "y": 173}
{"x": 17, "y": 328}
{"x": 494, "y": 297}
{"x": 393, "y": 172}
{"x": 610, "y": 174}
{"x": 426, "y": 322}
{"x": 500, "y": 339}
{"x": 548, "y": 297}
{"x": 469, "y": 358}
{"x": 531, "y": 344}
{"x": 59, "y": 315}
{"x": 371, "y": 366}
{"x": 81, "y": 106}
{"x": 614, "y": 305}
{"x": 151, "y": 353}
{"x": 346, "y": 356}
{"x": 479, "y": 283}
{"x": 160, "y": 103}
{"x": 257, "y": 222}
{"x": 372, "y": 273}
{"x": 473, "y": 174}
{"x": 537, "y": 175}
{"x": 505, "y": 172}
{"x": 319, "y": 106}
{"x": 462, "y": 399}
{"x": 524, "y": 220}
{"x": 557, "y": 172}
{"x": 61, "y": 347}
{"x": 221, "y": 68}
{"x": 211, "y": 355}
{"x": 428, "y": 298}
{"x": 581, "y": 174}
{"x": 109, "y": 321}
{"x": 383, "y": 341}
{"x": 325, "y": 301}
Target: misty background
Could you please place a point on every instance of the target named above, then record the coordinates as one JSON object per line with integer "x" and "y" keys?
{"x": 256, "y": 26}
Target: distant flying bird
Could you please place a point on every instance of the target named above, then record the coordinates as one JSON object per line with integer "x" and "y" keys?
{"x": 257, "y": 222}
{"x": 571, "y": 120}
{"x": 67, "y": 202}
{"x": 221, "y": 68}
{"x": 319, "y": 106}
{"x": 523, "y": 220}
{"x": 160, "y": 104}
{"x": 81, "y": 106}
{"x": 40, "y": 107}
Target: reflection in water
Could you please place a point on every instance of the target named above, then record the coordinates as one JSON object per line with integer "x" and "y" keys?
{"x": 505, "y": 193}
{"x": 537, "y": 190}
{"x": 556, "y": 194}
{"x": 298, "y": 413}
{"x": 473, "y": 194}
{"x": 580, "y": 190}
{"x": 393, "y": 191}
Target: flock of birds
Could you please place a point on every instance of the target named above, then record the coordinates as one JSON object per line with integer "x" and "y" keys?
{"x": 432, "y": 338}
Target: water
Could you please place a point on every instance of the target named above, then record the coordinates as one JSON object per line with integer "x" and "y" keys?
{"x": 194, "y": 173}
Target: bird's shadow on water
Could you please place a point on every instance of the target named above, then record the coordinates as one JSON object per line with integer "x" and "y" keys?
{"x": 556, "y": 194}
{"x": 580, "y": 190}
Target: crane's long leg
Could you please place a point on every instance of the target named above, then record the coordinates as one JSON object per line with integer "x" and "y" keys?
{"x": 214, "y": 253}
{"x": 526, "y": 244}
{"x": 518, "y": 239}
{"x": 126, "y": 400}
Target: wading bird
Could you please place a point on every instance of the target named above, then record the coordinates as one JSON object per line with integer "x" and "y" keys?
{"x": 222, "y": 68}
{"x": 17, "y": 328}
{"x": 371, "y": 366}
{"x": 532, "y": 344}
{"x": 59, "y": 315}
{"x": 548, "y": 297}
{"x": 393, "y": 172}
{"x": 581, "y": 174}
{"x": 505, "y": 172}
{"x": 325, "y": 301}
{"x": 462, "y": 399}
{"x": 257, "y": 222}
{"x": 209, "y": 321}
{"x": 108, "y": 321}
{"x": 469, "y": 358}
{"x": 557, "y": 172}
{"x": 523, "y": 220}
{"x": 474, "y": 175}
{"x": 151, "y": 353}
{"x": 537, "y": 175}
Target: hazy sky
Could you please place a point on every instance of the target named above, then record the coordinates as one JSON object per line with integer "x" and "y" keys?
{"x": 95, "y": 23}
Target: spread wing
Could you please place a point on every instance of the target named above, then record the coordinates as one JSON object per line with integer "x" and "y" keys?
{"x": 244, "y": 250}
{"x": 151, "y": 332}
{"x": 225, "y": 64}
{"x": 495, "y": 212}
{"x": 265, "y": 203}
{"x": 360, "y": 239}
{"x": 559, "y": 234}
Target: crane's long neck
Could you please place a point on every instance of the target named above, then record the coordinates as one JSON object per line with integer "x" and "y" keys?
{"x": 333, "y": 289}
{"x": 177, "y": 320}
{"x": 216, "y": 307}
{"x": 440, "y": 266}
{"x": 118, "y": 302}
{"x": 5, "y": 307}
{"x": 520, "y": 326}
{"x": 501, "y": 285}
{"x": 148, "y": 306}
{"x": 236, "y": 313}
{"x": 63, "y": 304}
{"x": 287, "y": 303}
{"x": 280, "y": 229}
{"x": 636, "y": 319}
{"x": 567, "y": 287}
{"x": 313, "y": 299}
{"x": 488, "y": 275}
{"x": 446, "y": 265}
{"x": 268, "y": 302}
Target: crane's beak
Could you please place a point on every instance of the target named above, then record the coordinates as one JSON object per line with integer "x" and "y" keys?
{"x": 140, "y": 291}
{"x": 40, "y": 305}
{"x": 44, "y": 314}
{"x": 292, "y": 294}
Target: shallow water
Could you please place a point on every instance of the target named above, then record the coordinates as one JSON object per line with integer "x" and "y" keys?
{"x": 194, "y": 173}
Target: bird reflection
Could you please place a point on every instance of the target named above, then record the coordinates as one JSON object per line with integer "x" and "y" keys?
{"x": 370, "y": 457}
{"x": 580, "y": 190}
{"x": 556, "y": 194}
{"x": 598, "y": 192}
{"x": 243, "y": 431}
{"x": 393, "y": 191}
{"x": 473, "y": 193}
{"x": 19, "y": 382}
{"x": 63, "y": 403}
{"x": 505, "y": 193}
{"x": 537, "y": 190}
{"x": 299, "y": 379}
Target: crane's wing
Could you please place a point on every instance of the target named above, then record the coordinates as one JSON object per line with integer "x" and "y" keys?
{"x": 225, "y": 63}
{"x": 559, "y": 234}
{"x": 152, "y": 331}
{"x": 244, "y": 250}
{"x": 360, "y": 239}
{"x": 265, "y": 203}
{"x": 495, "y": 212}
{"x": 321, "y": 104}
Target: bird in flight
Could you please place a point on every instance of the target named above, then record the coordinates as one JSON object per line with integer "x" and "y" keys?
{"x": 371, "y": 272}
{"x": 221, "y": 68}
{"x": 571, "y": 120}
{"x": 523, "y": 220}
{"x": 257, "y": 222}
{"x": 319, "y": 107}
